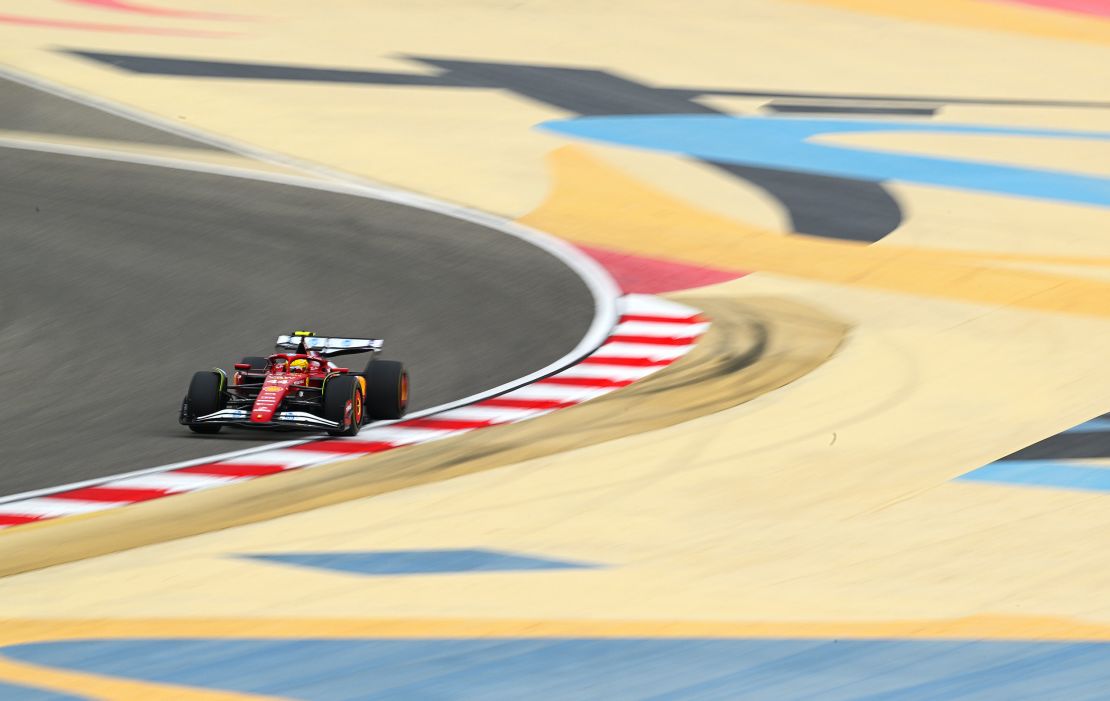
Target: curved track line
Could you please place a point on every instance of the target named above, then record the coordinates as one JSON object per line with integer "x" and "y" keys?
{"x": 601, "y": 286}
{"x": 185, "y": 131}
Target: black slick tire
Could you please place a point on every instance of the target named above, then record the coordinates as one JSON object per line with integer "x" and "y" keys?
{"x": 205, "y": 397}
{"x": 338, "y": 392}
{"x": 257, "y": 372}
{"x": 257, "y": 363}
{"x": 387, "y": 389}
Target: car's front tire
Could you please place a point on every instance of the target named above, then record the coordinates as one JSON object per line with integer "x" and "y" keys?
{"x": 204, "y": 397}
{"x": 338, "y": 392}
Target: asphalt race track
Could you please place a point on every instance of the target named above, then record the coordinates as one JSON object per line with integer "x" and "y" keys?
{"x": 118, "y": 281}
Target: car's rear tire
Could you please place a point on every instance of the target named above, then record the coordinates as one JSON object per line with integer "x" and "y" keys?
{"x": 257, "y": 372}
{"x": 257, "y": 363}
{"x": 338, "y": 392}
{"x": 387, "y": 389}
{"x": 205, "y": 397}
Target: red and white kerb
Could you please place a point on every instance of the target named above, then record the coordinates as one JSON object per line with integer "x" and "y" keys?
{"x": 652, "y": 333}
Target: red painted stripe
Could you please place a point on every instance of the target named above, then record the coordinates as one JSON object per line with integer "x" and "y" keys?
{"x": 97, "y": 27}
{"x": 232, "y": 470}
{"x": 655, "y": 340}
{"x": 695, "y": 319}
{"x": 585, "y": 382}
{"x": 626, "y": 362}
{"x": 446, "y": 424}
{"x": 508, "y": 403}
{"x": 346, "y": 447}
{"x": 14, "y": 520}
{"x": 120, "y": 6}
{"x": 111, "y": 494}
{"x": 1099, "y": 8}
{"x": 653, "y": 275}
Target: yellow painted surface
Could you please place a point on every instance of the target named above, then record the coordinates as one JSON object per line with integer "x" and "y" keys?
{"x": 972, "y": 627}
{"x": 594, "y": 204}
{"x": 824, "y": 508}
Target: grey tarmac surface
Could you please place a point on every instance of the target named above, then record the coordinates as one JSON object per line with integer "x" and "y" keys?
{"x": 118, "y": 281}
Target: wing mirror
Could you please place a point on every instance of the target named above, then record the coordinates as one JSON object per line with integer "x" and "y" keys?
{"x": 242, "y": 366}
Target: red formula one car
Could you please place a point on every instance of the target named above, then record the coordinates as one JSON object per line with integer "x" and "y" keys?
{"x": 299, "y": 390}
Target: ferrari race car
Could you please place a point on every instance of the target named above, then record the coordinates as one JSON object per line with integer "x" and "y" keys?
{"x": 301, "y": 389}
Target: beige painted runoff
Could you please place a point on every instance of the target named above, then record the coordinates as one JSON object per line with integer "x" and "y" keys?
{"x": 825, "y": 505}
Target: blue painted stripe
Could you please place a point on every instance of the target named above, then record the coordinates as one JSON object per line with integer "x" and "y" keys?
{"x": 1092, "y": 426}
{"x": 586, "y": 669}
{"x": 786, "y": 143}
{"x": 1043, "y": 473}
{"x": 411, "y": 562}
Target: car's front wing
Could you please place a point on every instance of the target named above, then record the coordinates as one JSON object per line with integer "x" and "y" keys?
{"x": 282, "y": 419}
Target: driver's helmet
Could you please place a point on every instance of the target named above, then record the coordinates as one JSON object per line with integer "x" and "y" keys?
{"x": 298, "y": 365}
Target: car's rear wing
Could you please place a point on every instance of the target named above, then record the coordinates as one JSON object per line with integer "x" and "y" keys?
{"x": 328, "y": 346}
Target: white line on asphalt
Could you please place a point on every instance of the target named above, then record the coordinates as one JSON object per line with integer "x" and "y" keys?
{"x": 600, "y": 284}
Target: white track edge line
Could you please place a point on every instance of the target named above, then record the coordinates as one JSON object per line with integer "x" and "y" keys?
{"x": 168, "y": 125}
{"x": 601, "y": 285}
